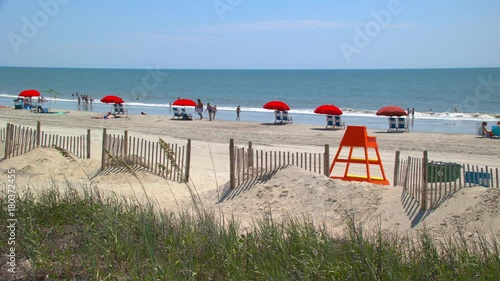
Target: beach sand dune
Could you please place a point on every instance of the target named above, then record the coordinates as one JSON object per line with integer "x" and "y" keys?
{"x": 298, "y": 193}
{"x": 289, "y": 192}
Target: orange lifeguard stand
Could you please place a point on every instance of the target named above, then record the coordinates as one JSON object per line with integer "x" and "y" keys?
{"x": 356, "y": 136}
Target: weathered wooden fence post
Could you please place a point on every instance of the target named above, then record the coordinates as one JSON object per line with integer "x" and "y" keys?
{"x": 423, "y": 198}
{"x": 7, "y": 141}
{"x": 125, "y": 144}
{"x": 38, "y": 133}
{"x": 88, "y": 143}
{"x": 396, "y": 169}
{"x": 250, "y": 154}
{"x": 188, "y": 160}
{"x": 231, "y": 164}
{"x": 496, "y": 175}
{"x": 326, "y": 160}
{"x": 104, "y": 144}
{"x": 12, "y": 140}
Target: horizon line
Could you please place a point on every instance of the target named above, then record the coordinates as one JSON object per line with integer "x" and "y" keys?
{"x": 272, "y": 69}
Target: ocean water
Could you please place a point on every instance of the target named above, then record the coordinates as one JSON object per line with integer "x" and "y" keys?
{"x": 445, "y": 100}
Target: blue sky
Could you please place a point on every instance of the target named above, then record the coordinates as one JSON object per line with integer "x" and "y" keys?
{"x": 255, "y": 34}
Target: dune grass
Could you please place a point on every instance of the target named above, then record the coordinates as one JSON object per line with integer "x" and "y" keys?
{"x": 80, "y": 234}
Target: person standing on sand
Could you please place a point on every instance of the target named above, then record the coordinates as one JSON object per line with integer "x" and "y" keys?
{"x": 238, "y": 110}
{"x": 199, "y": 108}
{"x": 210, "y": 111}
{"x": 214, "y": 110}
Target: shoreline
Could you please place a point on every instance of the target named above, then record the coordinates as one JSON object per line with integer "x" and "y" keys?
{"x": 267, "y": 133}
{"x": 135, "y": 106}
{"x": 425, "y": 124}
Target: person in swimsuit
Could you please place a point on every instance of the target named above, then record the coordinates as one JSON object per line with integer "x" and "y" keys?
{"x": 214, "y": 110}
{"x": 199, "y": 108}
{"x": 210, "y": 111}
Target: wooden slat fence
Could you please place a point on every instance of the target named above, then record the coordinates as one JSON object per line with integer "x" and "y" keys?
{"x": 408, "y": 176}
{"x": 76, "y": 145}
{"x": 20, "y": 139}
{"x": 171, "y": 161}
{"x": 432, "y": 182}
{"x": 248, "y": 163}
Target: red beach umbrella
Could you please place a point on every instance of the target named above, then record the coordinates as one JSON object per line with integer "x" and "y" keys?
{"x": 391, "y": 110}
{"x": 112, "y": 99}
{"x": 184, "y": 102}
{"x": 29, "y": 93}
{"x": 329, "y": 109}
{"x": 277, "y": 105}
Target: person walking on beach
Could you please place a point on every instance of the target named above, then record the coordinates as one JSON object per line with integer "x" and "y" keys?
{"x": 214, "y": 110}
{"x": 210, "y": 110}
{"x": 413, "y": 112}
{"x": 199, "y": 108}
{"x": 238, "y": 110}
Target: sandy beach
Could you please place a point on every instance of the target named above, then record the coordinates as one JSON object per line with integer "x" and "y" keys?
{"x": 290, "y": 191}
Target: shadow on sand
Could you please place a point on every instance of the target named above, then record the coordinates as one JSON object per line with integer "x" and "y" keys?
{"x": 413, "y": 211}
{"x": 229, "y": 194}
{"x": 272, "y": 124}
{"x": 119, "y": 169}
{"x": 386, "y": 132}
{"x": 326, "y": 129}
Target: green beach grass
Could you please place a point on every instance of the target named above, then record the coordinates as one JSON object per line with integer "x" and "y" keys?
{"x": 80, "y": 234}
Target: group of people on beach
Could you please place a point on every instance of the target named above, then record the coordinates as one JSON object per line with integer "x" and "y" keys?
{"x": 211, "y": 109}
{"x": 412, "y": 112}
{"x": 485, "y": 132}
{"x": 84, "y": 101}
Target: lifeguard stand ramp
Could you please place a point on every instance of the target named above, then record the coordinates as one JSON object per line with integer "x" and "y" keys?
{"x": 357, "y": 137}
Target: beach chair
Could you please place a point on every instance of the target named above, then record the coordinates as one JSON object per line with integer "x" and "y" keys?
{"x": 329, "y": 122}
{"x": 402, "y": 124}
{"x": 338, "y": 123}
{"x": 40, "y": 109}
{"x": 18, "y": 104}
{"x": 177, "y": 113}
{"x": 393, "y": 124}
{"x": 121, "y": 109}
{"x": 286, "y": 118}
{"x": 185, "y": 115}
{"x": 479, "y": 130}
{"x": 116, "y": 110}
{"x": 277, "y": 117}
